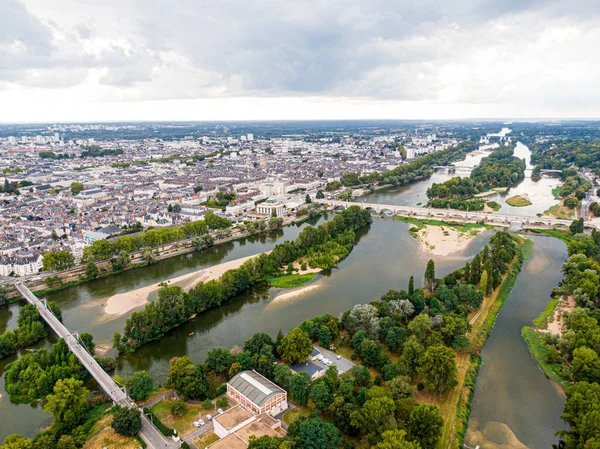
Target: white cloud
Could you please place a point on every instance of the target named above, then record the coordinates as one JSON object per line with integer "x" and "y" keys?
{"x": 87, "y": 60}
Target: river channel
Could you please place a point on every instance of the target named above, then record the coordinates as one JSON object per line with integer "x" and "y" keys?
{"x": 384, "y": 258}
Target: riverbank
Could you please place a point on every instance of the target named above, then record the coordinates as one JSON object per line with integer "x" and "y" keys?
{"x": 122, "y": 303}
{"x": 456, "y": 407}
{"x": 443, "y": 238}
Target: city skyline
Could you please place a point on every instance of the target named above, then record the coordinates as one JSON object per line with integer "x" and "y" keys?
{"x": 69, "y": 61}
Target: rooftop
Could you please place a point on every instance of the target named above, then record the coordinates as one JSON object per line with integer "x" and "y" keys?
{"x": 233, "y": 417}
{"x": 255, "y": 387}
{"x": 231, "y": 441}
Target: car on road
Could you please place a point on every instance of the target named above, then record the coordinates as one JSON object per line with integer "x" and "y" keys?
{"x": 196, "y": 423}
{"x": 220, "y": 411}
{"x": 209, "y": 417}
{"x": 339, "y": 357}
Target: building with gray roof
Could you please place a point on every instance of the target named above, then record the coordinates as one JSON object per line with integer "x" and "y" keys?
{"x": 256, "y": 393}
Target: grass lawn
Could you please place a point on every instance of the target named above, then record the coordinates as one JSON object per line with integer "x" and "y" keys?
{"x": 542, "y": 320}
{"x": 103, "y": 436}
{"x": 295, "y": 413}
{"x": 290, "y": 280}
{"x": 560, "y": 211}
{"x": 518, "y": 201}
{"x": 556, "y": 192}
{"x": 463, "y": 227}
{"x": 206, "y": 440}
{"x": 183, "y": 424}
{"x": 539, "y": 352}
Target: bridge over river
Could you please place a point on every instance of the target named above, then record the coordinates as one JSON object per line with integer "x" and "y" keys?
{"x": 149, "y": 433}
{"x": 457, "y": 215}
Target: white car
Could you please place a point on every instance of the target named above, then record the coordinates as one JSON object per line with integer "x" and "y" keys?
{"x": 339, "y": 357}
{"x": 320, "y": 357}
{"x": 196, "y": 423}
{"x": 209, "y": 417}
{"x": 220, "y": 411}
{"x": 201, "y": 422}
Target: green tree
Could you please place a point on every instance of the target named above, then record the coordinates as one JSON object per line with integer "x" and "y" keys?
{"x": 582, "y": 413}
{"x": 313, "y": 433}
{"x": 396, "y": 439}
{"x": 66, "y": 442}
{"x": 15, "y": 441}
{"x": 76, "y": 187}
{"x": 425, "y": 425}
{"x": 429, "y": 281}
{"x": 141, "y": 386}
{"x": 178, "y": 407}
{"x": 282, "y": 376}
{"x": 307, "y": 200}
{"x": 219, "y": 360}
{"x": 91, "y": 270}
{"x": 295, "y": 347}
{"x": 576, "y": 227}
{"x": 300, "y": 384}
{"x": 320, "y": 394}
{"x": 438, "y": 367}
{"x": 411, "y": 285}
{"x": 320, "y": 195}
{"x": 68, "y": 404}
{"x": 375, "y": 416}
{"x": 186, "y": 378}
{"x": 58, "y": 260}
{"x": 127, "y": 421}
{"x": 586, "y": 365}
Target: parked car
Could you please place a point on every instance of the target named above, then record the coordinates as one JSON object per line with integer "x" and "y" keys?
{"x": 220, "y": 411}
{"x": 201, "y": 422}
{"x": 209, "y": 417}
{"x": 320, "y": 357}
{"x": 339, "y": 357}
{"x": 196, "y": 423}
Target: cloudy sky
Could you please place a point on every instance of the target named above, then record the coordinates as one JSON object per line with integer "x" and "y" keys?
{"x": 85, "y": 60}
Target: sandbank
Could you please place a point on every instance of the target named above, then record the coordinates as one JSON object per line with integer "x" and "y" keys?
{"x": 124, "y": 302}
{"x": 444, "y": 240}
{"x": 294, "y": 293}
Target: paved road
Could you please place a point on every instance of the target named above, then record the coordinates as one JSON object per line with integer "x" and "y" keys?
{"x": 150, "y": 434}
{"x": 342, "y": 364}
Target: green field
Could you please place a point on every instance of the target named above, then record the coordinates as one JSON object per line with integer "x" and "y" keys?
{"x": 559, "y": 234}
{"x": 290, "y": 280}
{"x": 518, "y": 201}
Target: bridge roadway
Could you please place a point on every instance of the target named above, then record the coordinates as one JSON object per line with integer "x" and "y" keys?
{"x": 149, "y": 433}
{"x": 457, "y": 215}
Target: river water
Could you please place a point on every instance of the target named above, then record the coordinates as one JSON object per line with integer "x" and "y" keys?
{"x": 515, "y": 405}
{"x": 384, "y": 258}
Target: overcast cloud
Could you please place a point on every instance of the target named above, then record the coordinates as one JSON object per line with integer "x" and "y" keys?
{"x": 233, "y": 59}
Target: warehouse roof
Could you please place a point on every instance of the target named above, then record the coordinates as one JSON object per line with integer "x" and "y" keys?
{"x": 255, "y": 387}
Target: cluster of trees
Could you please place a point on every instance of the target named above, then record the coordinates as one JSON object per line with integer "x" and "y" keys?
{"x": 10, "y": 187}
{"x": 500, "y": 169}
{"x": 74, "y": 419}
{"x": 324, "y": 246}
{"x": 53, "y": 155}
{"x": 562, "y": 154}
{"x": 31, "y": 329}
{"x": 33, "y": 376}
{"x": 97, "y": 151}
{"x": 102, "y": 250}
{"x": 58, "y": 260}
{"x": 222, "y": 200}
{"x": 577, "y": 351}
{"x": 423, "y": 326}
{"x": 574, "y": 188}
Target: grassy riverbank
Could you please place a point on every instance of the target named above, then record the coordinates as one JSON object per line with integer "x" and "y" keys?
{"x": 540, "y": 353}
{"x": 290, "y": 280}
{"x": 560, "y": 234}
{"x": 456, "y": 408}
{"x": 542, "y": 320}
{"x": 462, "y": 227}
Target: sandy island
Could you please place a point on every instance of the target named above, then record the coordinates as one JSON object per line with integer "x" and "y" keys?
{"x": 124, "y": 302}
{"x": 556, "y": 324}
{"x": 293, "y": 294}
{"x": 444, "y": 240}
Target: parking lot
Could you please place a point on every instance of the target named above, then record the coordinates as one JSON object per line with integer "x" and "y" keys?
{"x": 342, "y": 364}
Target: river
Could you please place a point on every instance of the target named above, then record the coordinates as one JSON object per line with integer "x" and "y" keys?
{"x": 515, "y": 405}
{"x": 384, "y": 258}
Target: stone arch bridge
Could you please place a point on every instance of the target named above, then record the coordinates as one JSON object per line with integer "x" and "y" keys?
{"x": 456, "y": 215}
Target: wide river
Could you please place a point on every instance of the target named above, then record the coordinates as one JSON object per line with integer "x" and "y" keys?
{"x": 384, "y": 258}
